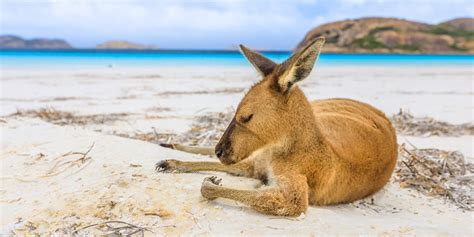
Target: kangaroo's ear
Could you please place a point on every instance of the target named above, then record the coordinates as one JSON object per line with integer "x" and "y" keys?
{"x": 263, "y": 65}
{"x": 299, "y": 65}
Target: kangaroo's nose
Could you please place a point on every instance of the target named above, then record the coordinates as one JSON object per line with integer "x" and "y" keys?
{"x": 219, "y": 152}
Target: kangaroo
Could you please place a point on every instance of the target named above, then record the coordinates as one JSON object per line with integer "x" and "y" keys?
{"x": 322, "y": 152}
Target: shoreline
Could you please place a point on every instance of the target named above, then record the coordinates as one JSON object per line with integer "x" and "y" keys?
{"x": 225, "y": 51}
{"x": 239, "y": 68}
{"x": 123, "y": 60}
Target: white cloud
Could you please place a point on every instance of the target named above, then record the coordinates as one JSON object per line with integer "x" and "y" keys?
{"x": 202, "y": 24}
{"x": 149, "y": 20}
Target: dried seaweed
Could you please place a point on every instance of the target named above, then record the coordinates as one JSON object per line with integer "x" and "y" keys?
{"x": 437, "y": 173}
{"x": 58, "y": 117}
{"x": 406, "y": 124}
{"x": 63, "y": 163}
{"x": 203, "y": 92}
{"x": 114, "y": 228}
{"x": 153, "y": 136}
{"x": 206, "y": 129}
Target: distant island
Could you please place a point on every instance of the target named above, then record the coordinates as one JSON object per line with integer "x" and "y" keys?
{"x": 391, "y": 35}
{"x": 363, "y": 35}
{"x": 15, "y": 42}
{"x": 117, "y": 44}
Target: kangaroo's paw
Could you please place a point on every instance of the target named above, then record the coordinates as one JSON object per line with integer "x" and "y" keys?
{"x": 170, "y": 166}
{"x": 210, "y": 186}
{"x": 213, "y": 179}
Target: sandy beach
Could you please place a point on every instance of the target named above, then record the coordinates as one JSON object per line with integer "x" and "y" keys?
{"x": 94, "y": 161}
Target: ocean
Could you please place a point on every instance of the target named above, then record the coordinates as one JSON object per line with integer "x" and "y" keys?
{"x": 80, "y": 59}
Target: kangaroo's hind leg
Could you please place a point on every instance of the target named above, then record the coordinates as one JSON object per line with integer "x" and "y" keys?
{"x": 288, "y": 197}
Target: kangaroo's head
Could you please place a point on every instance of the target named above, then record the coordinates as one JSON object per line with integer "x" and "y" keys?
{"x": 274, "y": 111}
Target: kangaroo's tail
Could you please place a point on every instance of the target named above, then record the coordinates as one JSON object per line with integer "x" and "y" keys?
{"x": 201, "y": 150}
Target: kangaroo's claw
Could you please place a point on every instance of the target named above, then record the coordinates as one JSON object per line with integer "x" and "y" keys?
{"x": 213, "y": 180}
{"x": 161, "y": 166}
{"x": 170, "y": 166}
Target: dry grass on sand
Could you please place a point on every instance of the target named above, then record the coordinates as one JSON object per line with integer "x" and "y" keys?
{"x": 407, "y": 124}
{"x": 437, "y": 173}
{"x": 58, "y": 117}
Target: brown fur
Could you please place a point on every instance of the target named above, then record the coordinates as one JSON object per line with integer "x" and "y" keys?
{"x": 319, "y": 153}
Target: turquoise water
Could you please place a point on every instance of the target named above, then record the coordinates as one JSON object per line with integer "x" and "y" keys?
{"x": 102, "y": 59}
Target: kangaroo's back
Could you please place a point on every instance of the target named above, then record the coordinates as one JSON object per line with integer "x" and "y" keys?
{"x": 364, "y": 148}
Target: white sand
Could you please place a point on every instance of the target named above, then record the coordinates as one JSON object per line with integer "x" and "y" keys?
{"x": 119, "y": 181}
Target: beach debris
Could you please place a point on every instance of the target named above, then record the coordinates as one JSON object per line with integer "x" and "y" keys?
{"x": 206, "y": 129}
{"x": 115, "y": 228}
{"x": 202, "y": 92}
{"x": 153, "y": 136}
{"x": 157, "y": 109}
{"x": 437, "y": 173}
{"x": 407, "y": 124}
{"x": 63, "y": 163}
{"x": 50, "y": 114}
{"x": 368, "y": 204}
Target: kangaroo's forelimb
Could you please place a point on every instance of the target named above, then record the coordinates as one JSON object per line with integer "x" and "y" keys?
{"x": 239, "y": 169}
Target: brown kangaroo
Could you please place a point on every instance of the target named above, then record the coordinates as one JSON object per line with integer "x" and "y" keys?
{"x": 319, "y": 153}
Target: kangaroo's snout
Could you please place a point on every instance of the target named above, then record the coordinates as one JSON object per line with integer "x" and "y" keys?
{"x": 224, "y": 147}
{"x": 219, "y": 152}
{"x": 223, "y": 151}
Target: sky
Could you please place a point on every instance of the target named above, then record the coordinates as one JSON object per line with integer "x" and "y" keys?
{"x": 200, "y": 24}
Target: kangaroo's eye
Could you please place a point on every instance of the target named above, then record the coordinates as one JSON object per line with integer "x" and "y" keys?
{"x": 246, "y": 119}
